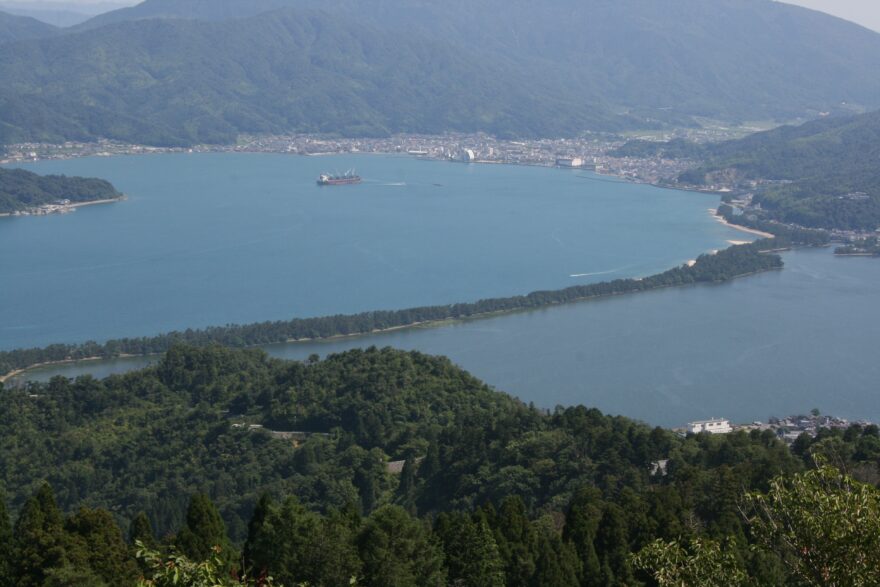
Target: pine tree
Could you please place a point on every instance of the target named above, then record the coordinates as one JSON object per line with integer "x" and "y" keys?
{"x": 6, "y": 545}
{"x": 38, "y": 539}
{"x": 472, "y": 555}
{"x": 581, "y": 526}
{"x": 142, "y": 531}
{"x": 262, "y": 509}
{"x": 516, "y": 541}
{"x": 406, "y": 488}
{"x": 397, "y": 550}
{"x": 96, "y": 546}
{"x": 204, "y": 530}
{"x": 557, "y": 563}
{"x": 612, "y": 547}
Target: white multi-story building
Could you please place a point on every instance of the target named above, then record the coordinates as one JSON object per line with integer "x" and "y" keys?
{"x": 713, "y": 426}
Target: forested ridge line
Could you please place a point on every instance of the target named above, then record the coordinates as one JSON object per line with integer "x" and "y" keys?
{"x": 188, "y": 455}
{"x": 733, "y": 262}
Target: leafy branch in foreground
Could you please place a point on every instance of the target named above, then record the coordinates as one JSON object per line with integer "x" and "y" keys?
{"x": 824, "y": 524}
{"x": 176, "y": 570}
{"x": 700, "y": 562}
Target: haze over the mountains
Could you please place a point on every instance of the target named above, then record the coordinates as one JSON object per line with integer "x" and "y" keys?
{"x": 209, "y": 69}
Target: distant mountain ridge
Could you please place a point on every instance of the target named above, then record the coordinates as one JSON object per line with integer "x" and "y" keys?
{"x": 19, "y": 28}
{"x": 508, "y": 67}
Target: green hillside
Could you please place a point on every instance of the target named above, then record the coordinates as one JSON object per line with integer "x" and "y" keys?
{"x": 725, "y": 58}
{"x": 174, "y": 73}
{"x": 20, "y": 189}
{"x": 173, "y": 82}
{"x": 485, "y": 490}
{"x": 829, "y": 168}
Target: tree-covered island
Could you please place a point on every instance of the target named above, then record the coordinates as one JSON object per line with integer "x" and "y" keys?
{"x": 22, "y": 191}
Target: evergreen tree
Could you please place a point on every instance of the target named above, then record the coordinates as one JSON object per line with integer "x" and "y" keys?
{"x": 204, "y": 530}
{"x": 38, "y": 539}
{"x": 407, "y": 486}
{"x": 255, "y": 530}
{"x": 299, "y": 546}
{"x": 581, "y": 526}
{"x": 6, "y": 543}
{"x": 142, "y": 531}
{"x": 557, "y": 564}
{"x": 399, "y": 551}
{"x": 516, "y": 541}
{"x": 472, "y": 555}
{"x": 96, "y": 546}
{"x": 612, "y": 547}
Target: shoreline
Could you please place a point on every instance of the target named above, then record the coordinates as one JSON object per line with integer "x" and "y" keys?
{"x": 67, "y": 207}
{"x": 421, "y": 324}
{"x": 761, "y": 233}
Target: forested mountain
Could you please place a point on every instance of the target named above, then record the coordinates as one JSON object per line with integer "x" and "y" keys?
{"x": 829, "y": 168}
{"x": 508, "y": 494}
{"x": 177, "y": 81}
{"x": 20, "y": 189}
{"x": 174, "y": 72}
{"x": 18, "y": 28}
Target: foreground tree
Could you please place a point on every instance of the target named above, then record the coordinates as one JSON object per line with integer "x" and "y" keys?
{"x": 176, "y": 570}
{"x": 204, "y": 531}
{"x": 6, "y": 542}
{"x": 38, "y": 539}
{"x": 825, "y": 525}
{"x": 399, "y": 551}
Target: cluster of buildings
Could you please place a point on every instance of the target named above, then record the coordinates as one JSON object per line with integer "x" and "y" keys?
{"x": 59, "y": 207}
{"x": 788, "y": 429}
{"x": 591, "y": 151}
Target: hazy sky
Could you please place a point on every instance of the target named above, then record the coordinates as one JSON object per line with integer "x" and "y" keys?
{"x": 864, "y": 12}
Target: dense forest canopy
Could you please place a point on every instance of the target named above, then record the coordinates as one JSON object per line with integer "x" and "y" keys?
{"x": 20, "y": 189}
{"x": 290, "y": 462}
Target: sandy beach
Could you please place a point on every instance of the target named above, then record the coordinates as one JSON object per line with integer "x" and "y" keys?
{"x": 760, "y": 233}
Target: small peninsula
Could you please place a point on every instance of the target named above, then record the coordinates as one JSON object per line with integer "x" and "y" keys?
{"x": 23, "y": 192}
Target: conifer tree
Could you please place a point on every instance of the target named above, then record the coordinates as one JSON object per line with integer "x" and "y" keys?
{"x": 96, "y": 546}
{"x": 142, "y": 531}
{"x": 204, "y": 530}
{"x": 6, "y": 544}
{"x": 262, "y": 509}
{"x": 612, "y": 547}
{"x": 516, "y": 541}
{"x": 406, "y": 488}
{"x": 472, "y": 555}
{"x": 38, "y": 539}
{"x": 399, "y": 551}
{"x": 556, "y": 564}
{"x": 581, "y": 526}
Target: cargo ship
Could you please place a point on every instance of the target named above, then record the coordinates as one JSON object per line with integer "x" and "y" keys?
{"x": 339, "y": 178}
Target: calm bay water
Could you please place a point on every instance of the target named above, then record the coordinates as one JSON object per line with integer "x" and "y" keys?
{"x": 213, "y": 239}
{"x": 771, "y": 344}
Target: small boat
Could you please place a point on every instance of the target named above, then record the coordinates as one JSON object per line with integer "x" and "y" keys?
{"x": 348, "y": 177}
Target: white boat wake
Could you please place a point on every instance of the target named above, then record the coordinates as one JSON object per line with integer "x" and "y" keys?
{"x": 573, "y": 275}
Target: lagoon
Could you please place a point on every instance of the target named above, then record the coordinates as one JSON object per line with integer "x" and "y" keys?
{"x": 212, "y": 239}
